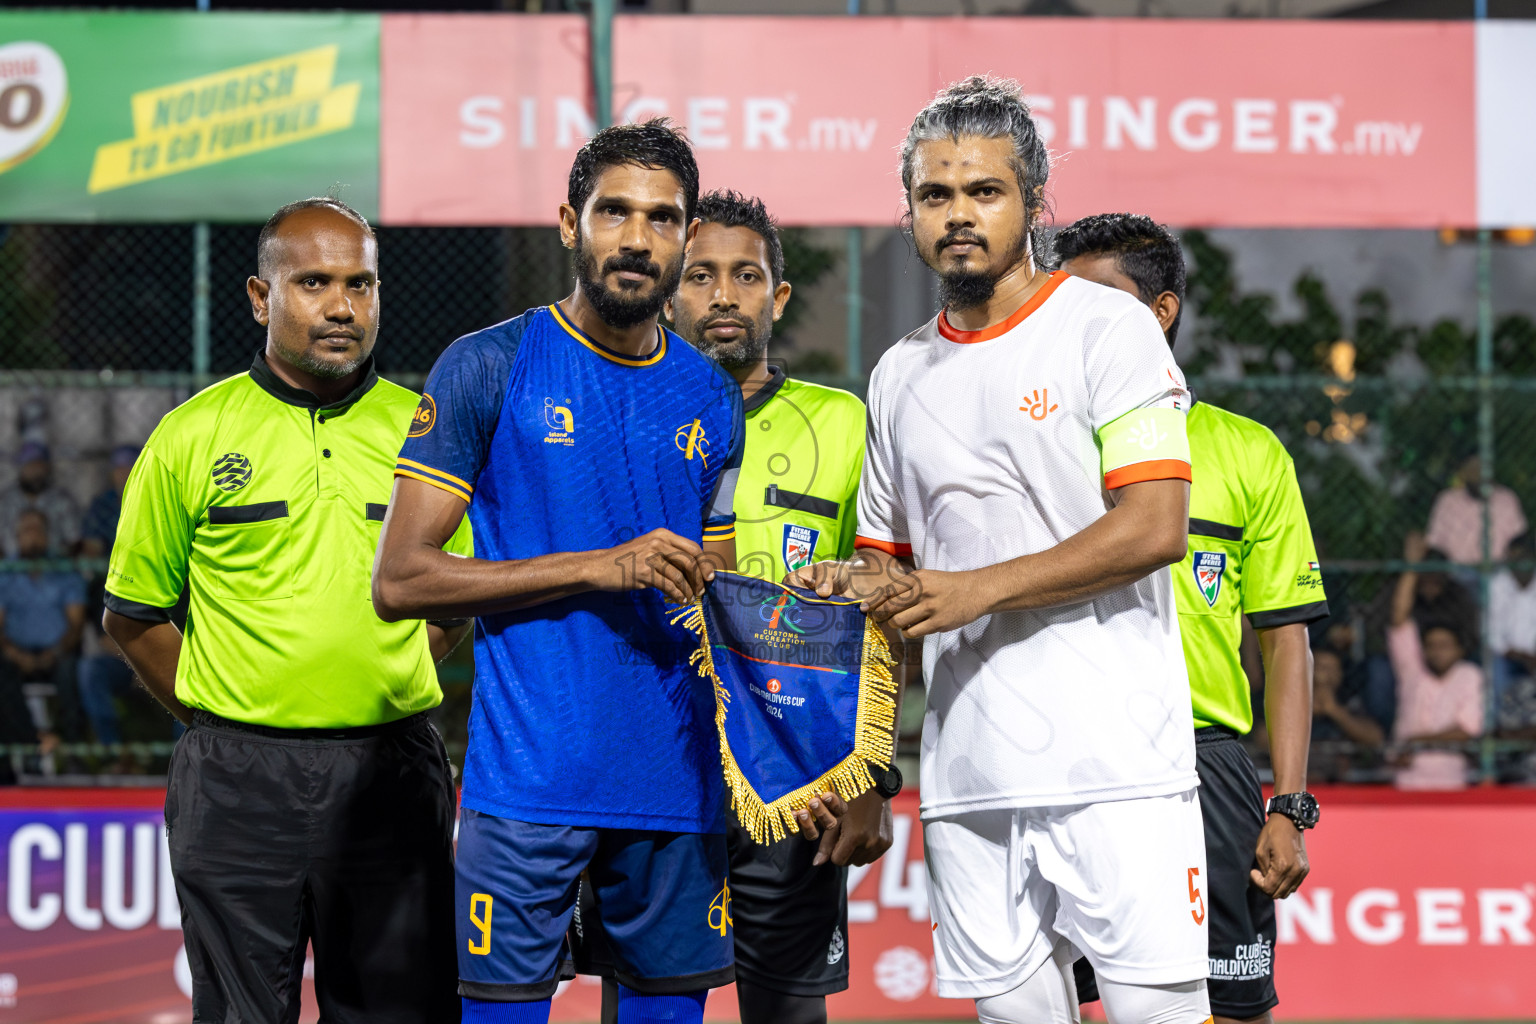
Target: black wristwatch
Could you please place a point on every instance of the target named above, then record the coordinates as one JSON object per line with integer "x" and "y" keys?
{"x": 1301, "y": 808}
{"x": 887, "y": 779}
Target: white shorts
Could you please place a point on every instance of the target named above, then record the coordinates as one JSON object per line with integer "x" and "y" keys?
{"x": 1123, "y": 881}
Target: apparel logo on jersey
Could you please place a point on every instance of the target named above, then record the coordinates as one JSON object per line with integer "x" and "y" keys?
{"x": 720, "y": 910}
{"x": 1038, "y": 404}
{"x": 837, "y": 948}
{"x": 799, "y": 545}
{"x": 560, "y": 422}
{"x": 1209, "y": 567}
{"x": 423, "y": 419}
{"x": 690, "y": 440}
{"x": 232, "y": 471}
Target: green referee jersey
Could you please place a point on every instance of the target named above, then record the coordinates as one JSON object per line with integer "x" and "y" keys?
{"x": 797, "y": 495}
{"x": 267, "y": 505}
{"x": 1250, "y": 553}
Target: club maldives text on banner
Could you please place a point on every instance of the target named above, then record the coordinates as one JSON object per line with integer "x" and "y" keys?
{"x": 1231, "y": 123}
{"x": 111, "y": 116}
{"x": 1419, "y": 907}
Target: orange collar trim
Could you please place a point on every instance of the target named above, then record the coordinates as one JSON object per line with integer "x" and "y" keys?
{"x": 999, "y": 329}
{"x": 603, "y": 350}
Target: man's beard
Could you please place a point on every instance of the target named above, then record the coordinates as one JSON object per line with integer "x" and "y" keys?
{"x": 326, "y": 369}
{"x": 740, "y": 354}
{"x": 967, "y": 289}
{"x": 625, "y": 308}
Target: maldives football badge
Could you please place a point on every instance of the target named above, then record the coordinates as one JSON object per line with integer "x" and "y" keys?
{"x": 799, "y": 545}
{"x": 1209, "y": 567}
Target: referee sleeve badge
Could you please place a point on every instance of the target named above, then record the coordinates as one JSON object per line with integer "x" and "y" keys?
{"x": 804, "y": 697}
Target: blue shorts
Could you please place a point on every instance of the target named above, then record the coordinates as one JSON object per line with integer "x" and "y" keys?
{"x": 662, "y": 899}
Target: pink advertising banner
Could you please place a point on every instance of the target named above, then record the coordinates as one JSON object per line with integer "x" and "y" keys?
{"x": 1234, "y": 123}
{"x": 1419, "y": 907}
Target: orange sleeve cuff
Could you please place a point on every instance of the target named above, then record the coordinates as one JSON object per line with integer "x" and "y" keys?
{"x": 1140, "y": 472}
{"x": 890, "y": 547}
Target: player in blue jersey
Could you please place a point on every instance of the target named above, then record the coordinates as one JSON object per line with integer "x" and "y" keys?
{"x": 596, "y": 455}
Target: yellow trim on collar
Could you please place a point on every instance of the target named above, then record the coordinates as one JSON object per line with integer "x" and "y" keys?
{"x": 606, "y": 353}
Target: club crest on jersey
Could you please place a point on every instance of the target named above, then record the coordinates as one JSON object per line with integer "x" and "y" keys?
{"x": 1209, "y": 567}
{"x": 691, "y": 440}
{"x": 799, "y": 545}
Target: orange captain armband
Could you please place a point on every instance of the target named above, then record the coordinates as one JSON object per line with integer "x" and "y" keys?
{"x": 1144, "y": 444}
{"x": 890, "y": 547}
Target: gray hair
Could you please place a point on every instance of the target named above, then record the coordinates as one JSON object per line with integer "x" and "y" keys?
{"x": 992, "y": 108}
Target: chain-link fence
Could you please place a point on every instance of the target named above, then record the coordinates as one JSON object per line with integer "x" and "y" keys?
{"x": 1359, "y": 349}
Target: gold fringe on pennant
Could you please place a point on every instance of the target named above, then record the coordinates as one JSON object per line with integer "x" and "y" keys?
{"x": 874, "y": 736}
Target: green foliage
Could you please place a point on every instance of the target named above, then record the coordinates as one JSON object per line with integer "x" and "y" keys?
{"x": 26, "y": 299}
{"x": 1370, "y": 454}
{"x": 804, "y": 264}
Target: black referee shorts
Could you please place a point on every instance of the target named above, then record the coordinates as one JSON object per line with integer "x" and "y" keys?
{"x": 1242, "y": 922}
{"x": 340, "y": 838}
{"x": 789, "y": 919}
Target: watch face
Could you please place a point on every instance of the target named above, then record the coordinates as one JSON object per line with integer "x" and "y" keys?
{"x": 1299, "y": 807}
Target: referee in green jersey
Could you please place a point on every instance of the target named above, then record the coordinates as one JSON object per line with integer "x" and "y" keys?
{"x": 310, "y": 801}
{"x": 1250, "y": 553}
{"x": 795, "y": 504}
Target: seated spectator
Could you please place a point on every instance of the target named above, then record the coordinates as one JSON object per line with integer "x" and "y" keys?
{"x": 1517, "y": 721}
{"x": 1437, "y": 598}
{"x": 34, "y": 491}
{"x": 100, "y": 526}
{"x": 1512, "y": 618}
{"x": 41, "y": 616}
{"x": 1439, "y": 692}
{"x": 1336, "y": 716}
{"x": 1344, "y": 735}
{"x": 1456, "y": 520}
{"x": 104, "y": 675}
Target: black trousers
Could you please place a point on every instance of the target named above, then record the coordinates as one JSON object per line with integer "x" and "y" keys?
{"x": 343, "y": 839}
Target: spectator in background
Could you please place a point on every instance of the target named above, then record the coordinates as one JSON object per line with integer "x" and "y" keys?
{"x": 1512, "y": 618}
{"x": 1439, "y": 693}
{"x": 105, "y": 676}
{"x": 1456, "y": 520}
{"x": 35, "y": 491}
{"x": 1437, "y": 598}
{"x": 100, "y": 525}
{"x": 41, "y": 615}
{"x": 1336, "y": 716}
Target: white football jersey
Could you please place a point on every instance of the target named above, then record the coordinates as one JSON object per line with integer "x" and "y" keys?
{"x": 981, "y": 448}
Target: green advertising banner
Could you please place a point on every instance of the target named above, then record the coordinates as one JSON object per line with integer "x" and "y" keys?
{"x": 185, "y": 116}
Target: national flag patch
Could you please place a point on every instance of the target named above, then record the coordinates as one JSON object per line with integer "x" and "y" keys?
{"x": 1209, "y": 568}
{"x": 1313, "y": 567}
{"x": 799, "y": 546}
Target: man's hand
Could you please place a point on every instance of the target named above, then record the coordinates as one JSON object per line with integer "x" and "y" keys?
{"x": 1282, "y": 856}
{"x": 1415, "y": 547}
{"x": 827, "y": 579}
{"x": 931, "y": 601}
{"x": 672, "y": 564}
{"x": 854, "y": 833}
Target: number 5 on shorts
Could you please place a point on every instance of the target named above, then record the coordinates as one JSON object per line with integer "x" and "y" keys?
{"x": 1196, "y": 901}
{"x": 480, "y": 917}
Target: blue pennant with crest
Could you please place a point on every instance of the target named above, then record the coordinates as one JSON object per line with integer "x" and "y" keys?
{"x": 804, "y": 697}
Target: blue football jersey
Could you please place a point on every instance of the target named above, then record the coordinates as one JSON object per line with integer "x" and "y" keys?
{"x": 586, "y": 710}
